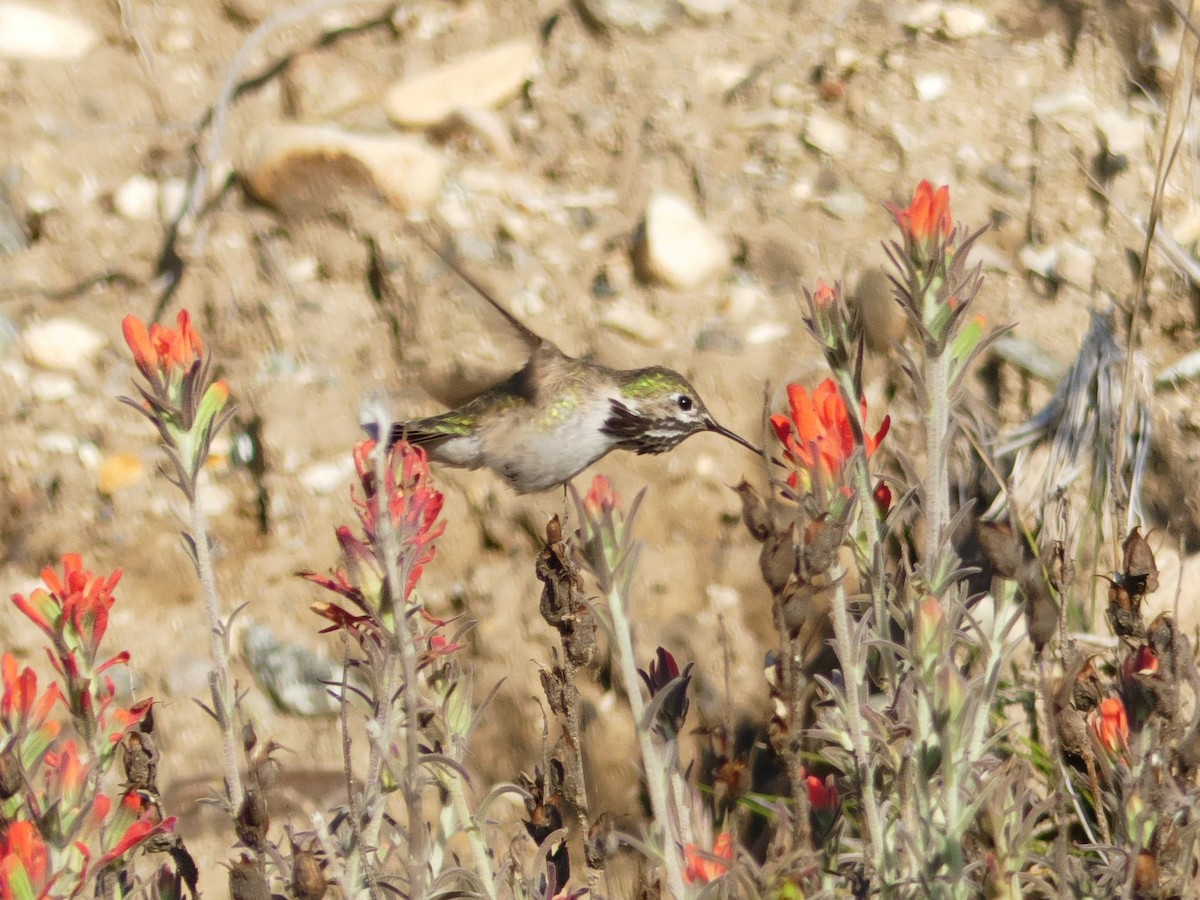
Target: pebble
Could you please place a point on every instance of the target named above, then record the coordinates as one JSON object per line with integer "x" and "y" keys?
{"x": 137, "y": 198}
{"x": 644, "y": 17}
{"x": 317, "y": 86}
{"x": 1039, "y": 260}
{"x": 52, "y": 387}
{"x": 922, "y": 16}
{"x": 676, "y": 247}
{"x": 719, "y": 337}
{"x": 846, "y": 204}
{"x": 931, "y": 86}
{"x": 307, "y": 169}
{"x": 1067, "y": 103}
{"x": 1187, "y": 230}
{"x": 1075, "y": 264}
{"x": 962, "y": 22}
{"x": 486, "y": 79}
{"x": 14, "y": 236}
{"x": 623, "y": 317}
{"x": 706, "y": 9}
{"x": 293, "y": 675}
{"x": 827, "y": 135}
{"x": 29, "y": 32}
{"x": 766, "y": 332}
{"x": 999, "y": 178}
{"x": 326, "y": 478}
{"x": 1122, "y": 135}
{"x": 172, "y": 194}
{"x": 120, "y": 471}
{"x": 58, "y": 442}
{"x": 62, "y": 345}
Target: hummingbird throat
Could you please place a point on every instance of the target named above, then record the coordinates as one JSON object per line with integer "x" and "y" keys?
{"x": 642, "y": 434}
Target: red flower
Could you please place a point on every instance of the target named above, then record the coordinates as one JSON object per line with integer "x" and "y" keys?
{"x": 824, "y": 297}
{"x": 822, "y": 795}
{"x": 161, "y": 351}
{"x": 704, "y": 867}
{"x": 601, "y": 497}
{"x": 24, "y": 861}
{"x": 927, "y": 218}
{"x": 818, "y": 437}
{"x": 1110, "y": 723}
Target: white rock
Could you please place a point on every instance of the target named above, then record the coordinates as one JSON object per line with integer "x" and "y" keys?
{"x": 931, "y": 86}
{"x": 52, "y": 387}
{"x": 63, "y": 345}
{"x": 1122, "y": 135}
{"x": 318, "y": 86}
{"x": 326, "y": 478}
{"x": 766, "y": 332}
{"x": 828, "y": 135}
{"x": 59, "y": 442}
{"x": 846, "y": 204}
{"x": 1187, "y": 230}
{"x": 29, "y": 32}
{"x": 1075, "y": 264}
{"x": 137, "y": 198}
{"x": 172, "y": 194}
{"x": 962, "y": 22}
{"x": 922, "y": 16}
{"x": 1039, "y": 260}
{"x": 1066, "y": 103}
{"x": 622, "y": 316}
{"x": 706, "y": 9}
{"x": 644, "y": 17}
{"x": 304, "y": 169}
{"x": 485, "y": 79}
{"x": 678, "y": 249}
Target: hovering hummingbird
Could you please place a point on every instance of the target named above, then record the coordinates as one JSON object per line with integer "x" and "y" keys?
{"x": 558, "y": 415}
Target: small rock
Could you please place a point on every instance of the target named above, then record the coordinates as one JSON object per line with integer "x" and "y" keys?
{"x": 922, "y": 16}
{"x": 706, "y": 9}
{"x": 644, "y": 17}
{"x": 52, "y": 387}
{"x": 846, "y": 204}
{"x": 622, "y": 316}
{"x": 786, "y": 95}
{"x": 172, "y": 194}
{"x": 1039, "y": 260}
{"x": 325, "y": 478}
{"x": 745, "y": 300}
{"x": 485, "y": 79}
{"x": 317, "y": 86}
{"x": 676, "y": 247}
{"x": 30, "y": 32}
{"x": 1122, "y": 135}
{"x": 1067, "y": 103}
{"x": 827, "y": 135}
{"x": 1075, "y": 264}
{"x": 1187, "y": 231}
{"x": 137, "y": 198}
{"x": 293, "y": 675}
{"x": 14, "y": 236}
{"x": 962, "y": 22}
{"x": 1001, "y": 179}
{"x": 719, "y": 337}
{"x": 64, "y": 345}
{"x": 58, "y": 442}
{"x": 310, "y": 169}
{"x": 766, "y": 332}
{"x": 931, "y": 86}
{"x": 120, "y": 471}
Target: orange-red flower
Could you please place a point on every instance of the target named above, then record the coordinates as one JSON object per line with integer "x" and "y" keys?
{"x": 601, "y": 496}
{"x": 822, "y": 795}
{"x": 927, "y": 217}
{"x": 704, "y": 867}
{"x": 817, "y": 436}
{"x": 160, "y": 350}
{"x": 824, "y": 296}
{"x": 24, "y": 860}
{"x": 1110, "y": 723}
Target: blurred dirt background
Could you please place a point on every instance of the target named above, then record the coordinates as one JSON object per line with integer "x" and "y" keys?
{"x": 784, "y": 126}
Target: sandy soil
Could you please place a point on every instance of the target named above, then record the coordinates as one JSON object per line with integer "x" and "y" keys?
{"x": 715, "y": 110}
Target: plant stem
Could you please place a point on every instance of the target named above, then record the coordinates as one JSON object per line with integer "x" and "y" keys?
{"x": 652, "y": 763}
{"x": 937, "y": 482}
{"x": 479, "y": 854}
{"x": 224, "y": 703}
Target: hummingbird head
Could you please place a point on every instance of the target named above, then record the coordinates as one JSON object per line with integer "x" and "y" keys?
{"x": 657, "y": 408}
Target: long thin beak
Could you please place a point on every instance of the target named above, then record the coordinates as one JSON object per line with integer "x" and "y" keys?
{"x": 733, "y": 436}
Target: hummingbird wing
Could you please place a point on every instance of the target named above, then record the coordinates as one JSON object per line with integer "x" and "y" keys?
{"x": 530, "y": 337}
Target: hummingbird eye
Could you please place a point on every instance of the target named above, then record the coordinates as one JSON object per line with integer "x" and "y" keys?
{"x": 684, "y": 402}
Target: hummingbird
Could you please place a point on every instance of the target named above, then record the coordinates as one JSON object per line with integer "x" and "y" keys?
{"x": 545, "y": 424}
